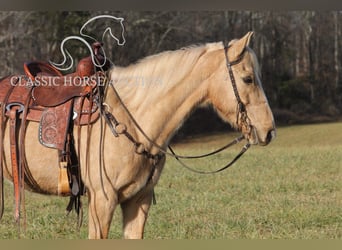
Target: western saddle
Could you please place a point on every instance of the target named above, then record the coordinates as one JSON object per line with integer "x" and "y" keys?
{"x": 57, "y": 102}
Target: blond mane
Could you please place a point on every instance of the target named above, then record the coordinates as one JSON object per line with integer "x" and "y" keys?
{"x": 155, "y": 75}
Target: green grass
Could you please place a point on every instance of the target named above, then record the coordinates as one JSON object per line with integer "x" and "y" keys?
{"x": 290, "y": 189}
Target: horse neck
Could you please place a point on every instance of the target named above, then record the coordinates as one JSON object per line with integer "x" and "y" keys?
{"x": 160, "y": 109}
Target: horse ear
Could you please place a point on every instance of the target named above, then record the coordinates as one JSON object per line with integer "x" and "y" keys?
{"x": 238, "y": 47}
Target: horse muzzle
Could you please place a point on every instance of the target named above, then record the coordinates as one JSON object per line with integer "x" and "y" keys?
{"x": 254, "y": 138}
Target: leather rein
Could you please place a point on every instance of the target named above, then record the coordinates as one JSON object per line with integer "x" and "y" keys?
{"x": 118, "y": 128}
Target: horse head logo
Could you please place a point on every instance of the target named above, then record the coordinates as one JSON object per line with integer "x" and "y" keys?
{"x": 108, "y": 30}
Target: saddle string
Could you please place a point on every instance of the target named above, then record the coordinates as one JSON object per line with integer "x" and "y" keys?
{"x": 22, "y": 160}
{"x": 29, "y": 180}
{"x": 71, "y": 156}
{"x": 14, "y": 112}
{"x": 2, "y": 128}
{"x": 101, "y": 89}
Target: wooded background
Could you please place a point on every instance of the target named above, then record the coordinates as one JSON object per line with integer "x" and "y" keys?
{"x": 298, "y": 51}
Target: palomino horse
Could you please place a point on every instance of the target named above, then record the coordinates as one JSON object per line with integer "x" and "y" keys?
{"x": 160, "y": 92}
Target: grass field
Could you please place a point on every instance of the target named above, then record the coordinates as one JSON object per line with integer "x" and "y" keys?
{"x": 290, "y": 189}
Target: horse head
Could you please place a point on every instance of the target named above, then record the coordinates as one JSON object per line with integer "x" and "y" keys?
{"x": 236, "y": 92}
{"x": 109, "y": 22}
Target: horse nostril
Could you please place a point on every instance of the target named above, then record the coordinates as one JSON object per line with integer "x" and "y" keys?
{"x": 271, "y": 135}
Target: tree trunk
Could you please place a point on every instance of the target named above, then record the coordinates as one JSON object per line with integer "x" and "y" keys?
{"x": 336, "y": 54}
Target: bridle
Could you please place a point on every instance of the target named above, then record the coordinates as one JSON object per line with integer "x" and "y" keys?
{"x": 241, "y": 112}
{"x": 241, "y": 115}
{"x": 118, "y": 128}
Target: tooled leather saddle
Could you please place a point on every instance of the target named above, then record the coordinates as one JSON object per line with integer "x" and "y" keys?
{"x": 57, "y": 102}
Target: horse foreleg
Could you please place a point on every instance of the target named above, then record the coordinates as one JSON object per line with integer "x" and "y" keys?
{"x": 134, "y": 213}
{"x": 101, "y": 209}
{"x": 135, "y": 210}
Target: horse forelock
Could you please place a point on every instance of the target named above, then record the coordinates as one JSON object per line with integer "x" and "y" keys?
{"x": 255, "y": 63}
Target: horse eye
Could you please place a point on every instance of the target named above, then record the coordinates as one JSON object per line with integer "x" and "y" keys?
{"x": 248, "y": 79}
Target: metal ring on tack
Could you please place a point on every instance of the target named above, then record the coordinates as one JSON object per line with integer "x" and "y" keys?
{"x": 106, "y": 107}
{"x": 13, "y": 104}
{"x": 139, "y": 148}
{"x": 120, "y": 128}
